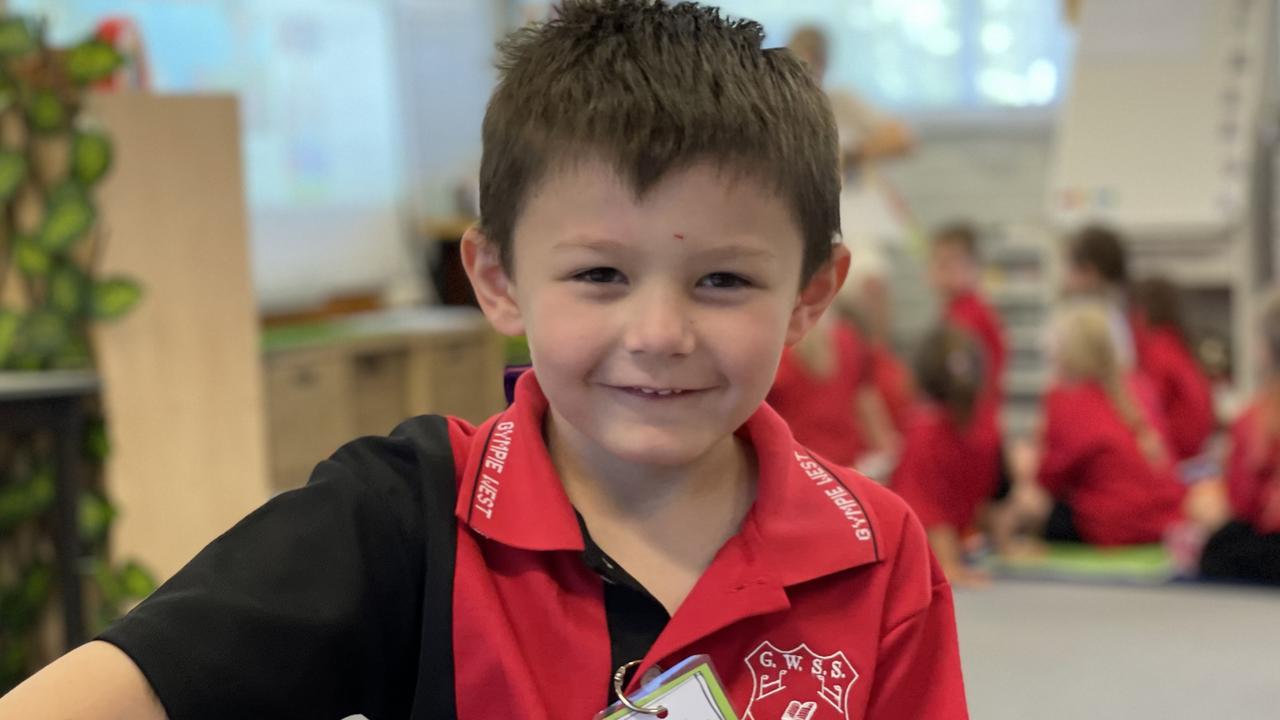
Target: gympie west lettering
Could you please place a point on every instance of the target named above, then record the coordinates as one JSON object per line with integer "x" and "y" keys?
{"x": 838, "y": 494}
{"x": 495, "y": 461}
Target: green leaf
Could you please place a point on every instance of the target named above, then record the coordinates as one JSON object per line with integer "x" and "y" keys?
{"x": 16, "y": 37}
{"x": 16, "y": 506}
{"x": 32, "y": 260}
{"x": 92, "y": 60}
{"x": 20, "y": 607}
{"x": 95, "y": 518}
{"x": 135, "y": 582}
{"x": 97, "y": 444}
{"x": 41, "y": 489}
{"x": 68, "y": 217}
{"x": 13, "y": 170}
{"x": 68, "y": 289}
{"x": 13, "y": 664}
{"x": 44, "y": 334}
{"x": 108, "y": 582}
{"x": 46, "y": 112}
{"x": 114, "y": 297}
{"x": 8, "y": 92}
{"x": 73, "y": 356}
{"x": 27, "y": 498}
{"x": 10, "y": 324}
{"x": 90, "y": 157}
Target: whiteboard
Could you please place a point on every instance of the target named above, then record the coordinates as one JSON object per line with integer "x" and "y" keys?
{"x": 1158, "y": 129}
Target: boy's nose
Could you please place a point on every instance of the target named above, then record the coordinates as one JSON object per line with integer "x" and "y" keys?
{"x": 660, "y": 325}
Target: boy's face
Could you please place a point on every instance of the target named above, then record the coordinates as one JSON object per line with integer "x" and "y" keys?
{"x": 655, "y": 325}
{"x": 952, "y": 270}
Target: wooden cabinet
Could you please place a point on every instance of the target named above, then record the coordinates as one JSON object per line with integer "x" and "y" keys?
{"x": 332, "y": 382}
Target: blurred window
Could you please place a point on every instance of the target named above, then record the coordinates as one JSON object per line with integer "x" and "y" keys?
{"x": 929, "y": 54}
{"x": 316, "y": 81}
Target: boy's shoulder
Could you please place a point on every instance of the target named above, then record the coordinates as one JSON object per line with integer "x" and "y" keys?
{"x": 891, "y": 521}
{"x": 399, "y": 470}
{"x": 906, "y": 573}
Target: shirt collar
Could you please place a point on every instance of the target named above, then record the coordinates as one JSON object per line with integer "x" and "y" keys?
{"x": 807, "y": 521}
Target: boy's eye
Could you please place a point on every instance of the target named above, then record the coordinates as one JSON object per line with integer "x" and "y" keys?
{"x": 602, "y": 275}
{"x": 724, "y": 280}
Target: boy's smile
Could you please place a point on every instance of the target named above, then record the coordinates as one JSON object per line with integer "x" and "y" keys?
{"x": 655, "y": 323}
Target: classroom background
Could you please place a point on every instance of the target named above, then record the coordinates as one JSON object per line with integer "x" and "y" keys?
{"x": 269, "y": 200}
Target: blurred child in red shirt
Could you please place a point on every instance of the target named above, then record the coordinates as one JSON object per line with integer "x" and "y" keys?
{"x": 954, "y": 272}
{"x": 950, "y": 462}
{"x": 865, "y": 303}
{"x": 1104, "y": 462}
{"x": 823, "y": 390}
{"x": 1183, "y": 391}
{"x": 1248, "y": 547}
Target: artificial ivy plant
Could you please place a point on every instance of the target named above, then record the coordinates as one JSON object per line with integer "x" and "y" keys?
{"x": 51, "y": 160}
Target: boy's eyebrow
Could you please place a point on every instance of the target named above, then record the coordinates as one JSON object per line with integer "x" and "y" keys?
{"x": 589, "y": 243}
{"x": 731, "y": 250}
{"x": 736, "y": 251}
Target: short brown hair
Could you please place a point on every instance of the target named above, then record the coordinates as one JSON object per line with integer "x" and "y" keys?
{"x": 652, "y": 87}
{"x": 1101, "y": 249}
{"x": 951, "y": 369}
{"x": 959, "y": 234}
{"x": 1160, "y": 302}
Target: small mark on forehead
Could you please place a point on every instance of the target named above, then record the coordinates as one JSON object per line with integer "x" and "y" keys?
{"x": 679, "y": 236}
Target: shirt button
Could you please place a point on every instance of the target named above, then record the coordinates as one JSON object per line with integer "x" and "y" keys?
{"x": 650, "y": 675}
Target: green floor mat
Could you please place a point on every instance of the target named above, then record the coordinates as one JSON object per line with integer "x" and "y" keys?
{"x": 1135, "y": 564}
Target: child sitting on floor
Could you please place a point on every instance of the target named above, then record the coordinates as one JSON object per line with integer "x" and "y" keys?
{"x": 1248, "y": 547}
{"x": 1182, "y": 389}
{"x": 1104, "y": 461}
{"x": 951, "y": 458}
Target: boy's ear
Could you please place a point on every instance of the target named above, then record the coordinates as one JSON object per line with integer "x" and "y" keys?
{"x": 494, "y": 289}
{"x": 818, "y": 293}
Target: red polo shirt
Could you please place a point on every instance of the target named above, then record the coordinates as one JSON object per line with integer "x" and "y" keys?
{"x": 947, "y": 470}
{"x": 1183, "y": 391}
{"x": 896, "y": 386}
{"x": 313, "y": 605}
{"x": 822, "y": 410}
{"x": 1091, "y": 461}
{"x": 828, "y": 571}
{"x": 1253, "y": 473}
{"x": 970, "y": 312}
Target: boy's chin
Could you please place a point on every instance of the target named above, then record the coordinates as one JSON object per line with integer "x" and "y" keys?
{"x": 656, "y": 448}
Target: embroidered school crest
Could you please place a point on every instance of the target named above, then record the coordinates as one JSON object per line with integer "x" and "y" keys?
{"x": 798, "y": 684}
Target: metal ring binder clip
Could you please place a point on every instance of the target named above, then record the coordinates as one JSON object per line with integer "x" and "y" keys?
{"x": 618, "y": 677}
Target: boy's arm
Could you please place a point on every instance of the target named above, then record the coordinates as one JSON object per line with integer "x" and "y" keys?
{"x": 108, "y": 686}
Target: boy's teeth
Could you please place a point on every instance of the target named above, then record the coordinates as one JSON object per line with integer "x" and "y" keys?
{"x": 647, "y": 391}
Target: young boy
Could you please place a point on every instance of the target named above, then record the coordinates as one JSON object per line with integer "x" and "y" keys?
{"x": 658, "y": 197}
{"x": 953, "y": 270}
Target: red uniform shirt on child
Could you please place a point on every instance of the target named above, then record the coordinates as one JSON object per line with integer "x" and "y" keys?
{"x": 821, "y": 410}
{"x": 947, "y": 471}
{"x": 1184, "y": 393}
{"x": 1092, "y": 462}
{"x": 894, "y": 383}
{"x": 1253, "y": 473}
{"x": 828, "y": 595}
{"x": 827, "y": 598}
{"x": 970, "y": 312}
